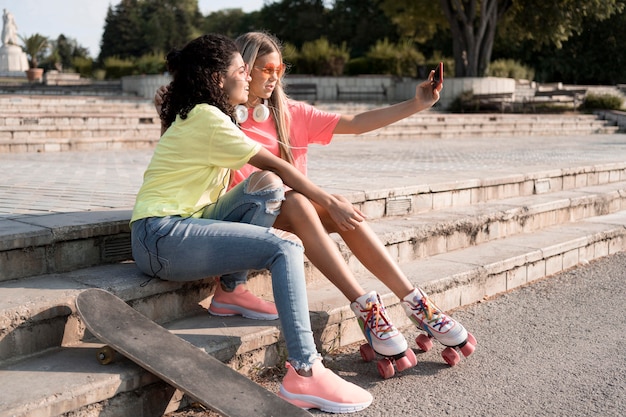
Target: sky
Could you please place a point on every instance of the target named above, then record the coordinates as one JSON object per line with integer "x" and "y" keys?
{"x": 83, "y": 20}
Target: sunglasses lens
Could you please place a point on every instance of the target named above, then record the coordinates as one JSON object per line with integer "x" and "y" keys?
{"x": 270, "y": 69}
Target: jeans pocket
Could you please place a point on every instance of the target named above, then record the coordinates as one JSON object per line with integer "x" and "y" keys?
{"x": 150, "y": 263}
{"x": 147, "y": 260}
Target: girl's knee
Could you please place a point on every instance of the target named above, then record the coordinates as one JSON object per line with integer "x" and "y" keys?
{"x": 261, "y": 181}
{"x": 287, "y": 236}
{"x": 269, "y": 187}
{"x": 298, "y": 203}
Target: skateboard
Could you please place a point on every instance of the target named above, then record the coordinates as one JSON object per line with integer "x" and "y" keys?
{"x": 179, "y": 363}
{"x": 402, "y": 361}
{"x": 451, "y": 353}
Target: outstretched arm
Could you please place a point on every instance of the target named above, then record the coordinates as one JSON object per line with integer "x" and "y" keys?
{"x": 426, "y": 94}
{"x": 343, "y": 213}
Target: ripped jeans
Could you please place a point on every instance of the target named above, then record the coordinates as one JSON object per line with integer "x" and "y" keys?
{"x": 232, "y": 237}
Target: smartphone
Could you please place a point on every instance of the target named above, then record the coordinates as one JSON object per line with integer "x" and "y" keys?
{"x": 438, "y": 77}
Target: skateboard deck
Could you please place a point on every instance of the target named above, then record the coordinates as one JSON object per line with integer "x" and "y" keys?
{"x": 179, "y": 363}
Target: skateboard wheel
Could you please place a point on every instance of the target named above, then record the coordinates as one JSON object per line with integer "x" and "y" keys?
{"x": 451, "y": 356}
{"x": 407, "y": 361}
{"x": 105, "y": 355}
{"x": 385, "y": 368}
{"x": 367, "y": 352}
{"x": 424, "y": 342}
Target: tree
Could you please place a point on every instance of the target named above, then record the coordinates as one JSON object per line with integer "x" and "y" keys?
{"x": 167, "y": 24}
{"x": 121, "y": 36}
{"x": 554, "y": 22}
{"x": 418, "y": 20}
{"x": 232, "y": 22}
{"x": 582, "y": 59}
{"x": 138, "y": 27}
{"x": 65, "y": 51}
{"x": 34, "y": 46}
{"x": 474, "y": 24}
{"x": 597, "y": 54}
{"x": 296, "y": 21}
{"x": 359, "y": 23}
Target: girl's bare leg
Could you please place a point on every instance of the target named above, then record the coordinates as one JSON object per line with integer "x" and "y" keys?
{"x": 299, "y": 216}
{"x": 371, "y": 252}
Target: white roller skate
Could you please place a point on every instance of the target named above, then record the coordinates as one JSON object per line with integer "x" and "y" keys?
{"x": 429, "y": 318}
{"x": 382, "y": 336}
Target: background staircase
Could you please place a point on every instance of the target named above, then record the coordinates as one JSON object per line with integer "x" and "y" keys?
{"x": 461, "y": 240}
{"x": 83, "y": 123}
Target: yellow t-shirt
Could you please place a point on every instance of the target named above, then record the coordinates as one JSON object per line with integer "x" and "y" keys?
{"x": 191, "y": 164}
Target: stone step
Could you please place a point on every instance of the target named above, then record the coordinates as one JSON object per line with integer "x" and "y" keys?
{"x": 74, "y": 107}
{"x": 129, "y": 128}
{"x": 436, "y": 132}
{"x": 95, "y": 89}
{"x": 140, "y": 139}
{"x": 23, "y": 122}
{"x": 68, "y": 378}
{"x": 507, "y": 125}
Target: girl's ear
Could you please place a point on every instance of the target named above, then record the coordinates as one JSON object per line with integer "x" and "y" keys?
{"x": 219, "y": 79}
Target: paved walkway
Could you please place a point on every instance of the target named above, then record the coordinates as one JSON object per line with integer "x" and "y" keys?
{"x": 79, "y": 181}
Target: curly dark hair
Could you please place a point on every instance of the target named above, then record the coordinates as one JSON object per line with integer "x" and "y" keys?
{"x": 196, "y": 70}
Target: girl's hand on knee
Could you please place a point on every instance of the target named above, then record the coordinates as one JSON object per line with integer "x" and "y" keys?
{"x": 345, "y": 215}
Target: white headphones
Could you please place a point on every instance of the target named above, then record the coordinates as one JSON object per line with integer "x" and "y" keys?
{"x": 260, "y": 113}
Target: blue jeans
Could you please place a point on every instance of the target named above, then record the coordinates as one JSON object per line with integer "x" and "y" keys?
{"x": 220, "y": 243}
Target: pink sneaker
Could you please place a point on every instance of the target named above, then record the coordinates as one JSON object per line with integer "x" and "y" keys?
{"x": 241, "y": 302}
{"x": 324, "y": 390}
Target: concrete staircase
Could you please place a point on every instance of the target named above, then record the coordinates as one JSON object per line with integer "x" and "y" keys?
{"x": 460, "y": 244}
{"x": 60, "y": 123}
{"x": 460, "y": 240}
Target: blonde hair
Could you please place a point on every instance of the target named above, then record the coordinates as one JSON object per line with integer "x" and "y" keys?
{"x": 257, "y": 44}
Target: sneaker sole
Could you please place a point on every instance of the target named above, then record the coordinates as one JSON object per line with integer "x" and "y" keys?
{"x": 310, "y": 401}
{"x": 227, "y": 310}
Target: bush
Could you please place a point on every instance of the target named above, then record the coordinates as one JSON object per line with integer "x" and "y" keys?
{"x": 400, "y": 59}
{"x": 463, "y": 102}
{"x": 153, "y": 63}
{"x": 509, "y": 68}
{"x": 290, "y": 55}
{"x": 357, "y": 66}
{"x": 117, "y": 67}
{"x": 319, "y": 57}
{"x": 602, "y": 102}
{"x": 83, "y": 66}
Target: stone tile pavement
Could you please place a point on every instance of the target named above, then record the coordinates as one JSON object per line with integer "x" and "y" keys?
{"x": 40, "y": 183}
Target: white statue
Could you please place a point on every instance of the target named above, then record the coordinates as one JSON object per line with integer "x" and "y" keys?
{"x": 9, "y": 29}
{"x": 13, "y": 60}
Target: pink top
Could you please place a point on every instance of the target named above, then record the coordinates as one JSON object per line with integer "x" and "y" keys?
{"x": 308, "y": 125}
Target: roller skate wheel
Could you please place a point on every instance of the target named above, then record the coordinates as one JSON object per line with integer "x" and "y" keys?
{"x": 411, "y": 355}
{"x": 451, "y": 356}
{"x": 424, "y": 342}
{"x": 471, "y": 339}
{"x": 367, "y": 352}
{"x": 407, "y": 361}
{"x": 385, "y": 368}
{"x": 468, "y": 349}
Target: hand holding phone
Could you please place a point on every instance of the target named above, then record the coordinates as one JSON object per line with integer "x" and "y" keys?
{"x": 438, "y": 77}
